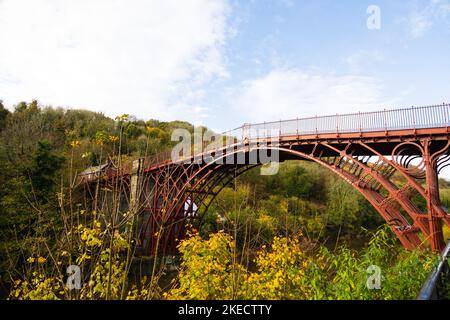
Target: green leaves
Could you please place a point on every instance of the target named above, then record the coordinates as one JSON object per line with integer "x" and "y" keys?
{"x": 45, "y": 166}
{"x": 3, "y": 114}
{"x": 122, "y": 118}
{"x": 286, "y": 271}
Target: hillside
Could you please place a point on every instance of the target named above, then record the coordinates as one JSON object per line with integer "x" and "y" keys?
{"x": 304, "y": 211}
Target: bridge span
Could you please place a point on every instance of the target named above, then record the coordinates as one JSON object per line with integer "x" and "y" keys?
{"x": 169, "y": 190}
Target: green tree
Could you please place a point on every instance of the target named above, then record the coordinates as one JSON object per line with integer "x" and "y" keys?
{"x": 343, "y": 205}
{"x": 44, "y": 169}
{"x": 3, "y": 114}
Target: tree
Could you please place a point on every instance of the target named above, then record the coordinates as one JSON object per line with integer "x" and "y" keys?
{"x": 45, "y": 167}
{"x": 3, "y": 114}
{"x": 343, "y": 206}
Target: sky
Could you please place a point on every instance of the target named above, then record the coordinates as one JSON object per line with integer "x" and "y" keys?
{"x": 223, "y": 63}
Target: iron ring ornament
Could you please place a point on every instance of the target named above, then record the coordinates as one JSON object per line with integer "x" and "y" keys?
{"x": 405, "y": 153}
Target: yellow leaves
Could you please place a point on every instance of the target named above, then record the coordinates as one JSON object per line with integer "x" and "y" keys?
{"x": 97, "y": 285}
{"x": 60, "y": 196}
{"x": 276, "y": 283}
{"x": 119, "y": 241}
{"x": 113, "y": 138}
{"x": 83, "y": 258}
{"x": 86, "y": 155}
{"x": 91, "y": 251}
{"x": 154, "y": 132}
{"x": 70, "y": 133}
{"x": 39, "y": 287}
{"x": 123, "y": 117}
{"x": 100, "y": 138}
{"x": 210, "y": 271}
{"x": 75, "y": 143}
{"x": 91, "y": 236}
{"x": 41, "y": 260}
{"x": 38, "y": 260}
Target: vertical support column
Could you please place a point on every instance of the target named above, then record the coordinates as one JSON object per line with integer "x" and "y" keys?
{"x": 432, "y": 193}
{"x": 134, "y": 190}
{"x": 134, "y": 183}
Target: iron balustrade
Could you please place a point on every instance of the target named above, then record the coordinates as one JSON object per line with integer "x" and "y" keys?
{"x": 386, "y": 120}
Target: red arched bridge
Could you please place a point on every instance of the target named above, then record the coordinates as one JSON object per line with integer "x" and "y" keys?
{"x": 364, "y": 149}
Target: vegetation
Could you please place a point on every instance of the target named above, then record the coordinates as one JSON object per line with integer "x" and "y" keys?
{"x": 301, "y": 234}
{"x": 285, "y": 270}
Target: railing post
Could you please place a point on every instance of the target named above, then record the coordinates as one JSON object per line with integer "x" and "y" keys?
{"x": 317, "y": 132}
{"x": 337, "y": 123}
{"x": 360, "y": 122}
{"x": 245, "y": 131}
{"x": 446, "y": 106}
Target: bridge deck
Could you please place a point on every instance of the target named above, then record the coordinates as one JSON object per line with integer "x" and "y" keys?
{"x": 384, "y": 129}
{"x": 385, "y": 142}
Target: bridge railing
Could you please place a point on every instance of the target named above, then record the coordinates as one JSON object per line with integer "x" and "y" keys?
{"x": 398, "y": 119}
{"x": 385, "y": 120}
{"x": 437, "y": 285}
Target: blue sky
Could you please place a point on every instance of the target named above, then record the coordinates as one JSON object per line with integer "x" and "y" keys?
{"x": 222, "y": 63}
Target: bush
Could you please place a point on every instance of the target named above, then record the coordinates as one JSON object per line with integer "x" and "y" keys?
{"x": 285, "y": 271}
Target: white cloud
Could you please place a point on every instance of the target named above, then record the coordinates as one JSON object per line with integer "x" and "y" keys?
{"x": 286, "y": 94}
{"x": 421, "y": 19}
{"x": 419, "y": 24}
{"x": 141, "y": 57}
{"x": 364, "y": 58}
